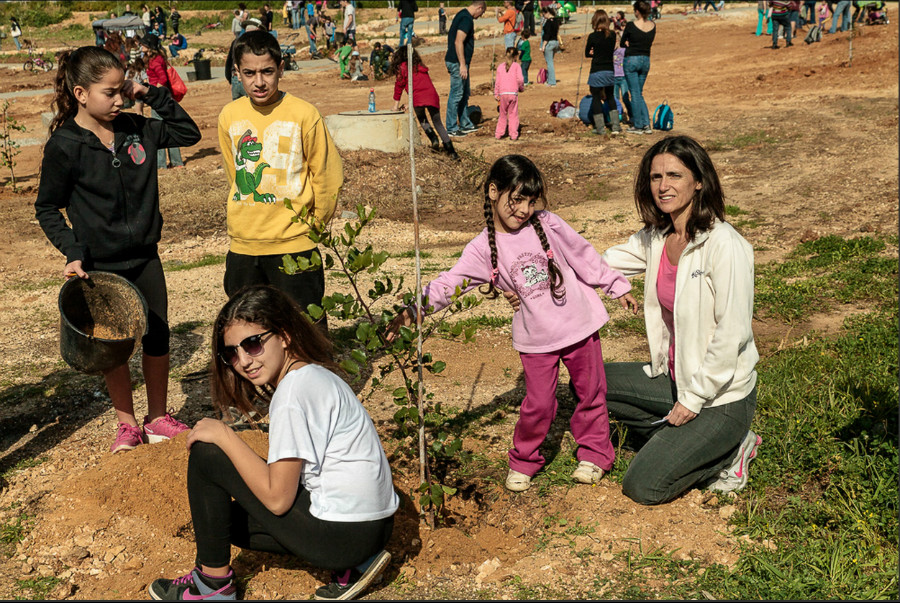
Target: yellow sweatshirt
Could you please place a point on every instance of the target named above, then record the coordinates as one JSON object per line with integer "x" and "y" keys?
{"x": 272, "y": 153}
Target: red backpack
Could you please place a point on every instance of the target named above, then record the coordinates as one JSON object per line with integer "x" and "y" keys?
{"x": 175, "y": 84}
{"x": 520, "y": 22}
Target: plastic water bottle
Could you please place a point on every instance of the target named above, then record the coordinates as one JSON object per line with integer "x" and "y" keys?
{"x": 371, "y": 100}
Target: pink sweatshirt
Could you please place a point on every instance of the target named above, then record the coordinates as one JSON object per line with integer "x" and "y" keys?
{"x": 509, "y": 82}
{"x": 542, "y": 323}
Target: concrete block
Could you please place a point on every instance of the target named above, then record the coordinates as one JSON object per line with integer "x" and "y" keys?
{"x": 386, "y": 131}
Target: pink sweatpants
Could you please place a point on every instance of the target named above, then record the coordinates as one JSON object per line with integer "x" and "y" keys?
{"x": 590, "y": 421}
{"x": 509, "y": 110}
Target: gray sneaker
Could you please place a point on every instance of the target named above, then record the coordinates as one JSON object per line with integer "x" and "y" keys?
{"x": 735, "y": 477}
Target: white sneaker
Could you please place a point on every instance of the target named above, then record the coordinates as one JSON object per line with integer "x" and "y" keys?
{"x": 517, "y": 482}
{"x": 735, "y": 477}
{"x": 587, "y": 473}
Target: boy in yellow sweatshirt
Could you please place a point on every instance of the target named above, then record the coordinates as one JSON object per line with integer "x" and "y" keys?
{"x": 275, "y": 146}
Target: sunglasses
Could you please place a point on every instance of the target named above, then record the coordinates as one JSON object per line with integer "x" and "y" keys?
{"x": 252, "y": 345}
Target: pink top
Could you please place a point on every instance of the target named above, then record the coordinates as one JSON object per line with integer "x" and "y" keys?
{"x": 665, "y": 291}
{"x": 542, "y": 323}
{"x": 509, "y": 82}
{"x": 424, "y": 94}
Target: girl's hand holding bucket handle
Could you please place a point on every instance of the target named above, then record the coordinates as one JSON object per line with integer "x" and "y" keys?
{"x": 74, "y": 269}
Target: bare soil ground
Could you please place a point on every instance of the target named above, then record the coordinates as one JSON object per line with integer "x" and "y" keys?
{"x": 805, "y": 144}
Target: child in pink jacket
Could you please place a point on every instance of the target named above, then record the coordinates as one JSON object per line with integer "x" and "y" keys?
{"x": 507, "y": 85}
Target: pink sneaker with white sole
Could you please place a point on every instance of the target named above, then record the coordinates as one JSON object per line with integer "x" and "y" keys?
{"x": 163, "y": 428}
{"x": 128, "y": 437}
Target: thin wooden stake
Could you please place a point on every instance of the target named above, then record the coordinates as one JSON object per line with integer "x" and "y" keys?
{"x": 423, "y": 459}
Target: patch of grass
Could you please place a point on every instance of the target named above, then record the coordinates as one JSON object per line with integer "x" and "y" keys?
{"x": 623, "y": 327}
{"x": 829, "y": 268}
{"x": 749, "y": 223}
{"x": 24, "y": 464}
{"x": 619, "y": 217}
{"x": 39, "y": 587}
{"x": 411, "y": 254}
{"x": 481, "y": 321}
{"x": 734, "y": 210}
{"x": 207, "y": 260}
{"x": 187, "y": 326}
{"x": 740, "y": 141}
{"x": 13, "y": 531}
{"x": 26, "y": 286}
{"x": 599, "y": 191}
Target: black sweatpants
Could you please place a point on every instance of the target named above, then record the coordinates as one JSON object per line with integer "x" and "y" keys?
{"x": 225, "y": 512}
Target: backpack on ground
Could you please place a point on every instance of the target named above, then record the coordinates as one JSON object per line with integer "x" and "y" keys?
{"x": 542, "y": 76}
{"x": 176, "y": 85}
{"x": 520, "y": 22}
{"x": 814, "y": 35}
{"x": 562, "y": 109}
{"x": 663, "y": 118}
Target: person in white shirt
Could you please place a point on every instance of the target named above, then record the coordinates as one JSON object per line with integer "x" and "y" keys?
{"x": 324, "y": 494}
{"x": 690, "y": 409}
{"x": 349, "y": 28}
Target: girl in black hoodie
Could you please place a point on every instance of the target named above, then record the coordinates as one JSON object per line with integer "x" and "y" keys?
{"x": 100, "y": 166}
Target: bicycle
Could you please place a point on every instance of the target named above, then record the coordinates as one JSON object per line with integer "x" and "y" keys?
{"x": 37, "y": 61}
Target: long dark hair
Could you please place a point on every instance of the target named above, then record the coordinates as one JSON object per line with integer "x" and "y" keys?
{"x": 271, "y": 309}
{"x": 80, "y": 67}
{"x": 600, "y": 22}
{"x": 518, "y": 175}
{"x": 708, "y": 203}
{"x": 399, "y": 57}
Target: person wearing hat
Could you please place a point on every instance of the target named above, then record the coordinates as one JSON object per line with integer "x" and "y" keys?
{"x": 157, "y": 76}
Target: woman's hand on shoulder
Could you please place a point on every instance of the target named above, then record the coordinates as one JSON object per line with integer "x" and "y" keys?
{"x": 628, "y": 301}
{"x": 134, "y": 90}
{"x": 679, "y": 415}
{"x": 208, "y": 430}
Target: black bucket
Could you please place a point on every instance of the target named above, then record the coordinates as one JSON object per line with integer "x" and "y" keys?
{"x": 202, "y": 69}
{"x": 102, "y": 320}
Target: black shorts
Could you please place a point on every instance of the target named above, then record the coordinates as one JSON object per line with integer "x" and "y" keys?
{"x": 150, "y": 280}
{"x": 304, "y": 287}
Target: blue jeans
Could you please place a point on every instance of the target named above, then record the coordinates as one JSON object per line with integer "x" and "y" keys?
{"x": 785, "y": 24}
{"x": 841, "y": 9}
{"x": 295, "y": 18}
{"x": 312, "y": 43}
{"x": 525, "y": 65}
{"x": 620, "y": 91}
{"x": 458, "y": 100}
{"x": 759, "y": 23}
{"x": 174, "y": 152}
{"x": 670, "y": 460}
{"x": 551, "y": 49}
{"x": 406, "y": 29}
{"x": 810, "y": 13}
{"x": 237, "y": 88}
{"x": 636, "y": 70}
{"x": 18, "y": 44}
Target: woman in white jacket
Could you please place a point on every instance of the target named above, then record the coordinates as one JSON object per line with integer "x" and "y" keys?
{"x": 691, "y": 407}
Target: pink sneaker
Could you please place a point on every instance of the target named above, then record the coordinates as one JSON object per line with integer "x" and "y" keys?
{"x": 128, "y": 437}
{"x": 163, "y": 428}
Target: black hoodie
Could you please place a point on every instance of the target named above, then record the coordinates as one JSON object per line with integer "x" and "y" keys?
{"x": 111, "y": 199}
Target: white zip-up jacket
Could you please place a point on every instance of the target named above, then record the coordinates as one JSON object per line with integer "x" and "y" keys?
{"x": 715, "y": 356}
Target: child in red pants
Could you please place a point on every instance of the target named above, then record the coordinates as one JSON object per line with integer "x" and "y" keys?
{"x": 507, "y": 85}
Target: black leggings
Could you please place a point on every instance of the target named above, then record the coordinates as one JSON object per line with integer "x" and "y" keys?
{"x": 597, "y": 101}
{"x": 150, "y": 280}
{"x": 220, "y": 521}
{"x": 435, "y": 114}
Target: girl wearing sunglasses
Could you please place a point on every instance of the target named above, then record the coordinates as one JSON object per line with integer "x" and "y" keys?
{"x": 323, "y": 494}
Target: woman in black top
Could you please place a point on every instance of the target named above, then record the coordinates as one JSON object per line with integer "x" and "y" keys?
{"x": 550, "y": 42}
{"x": 637, "y": 39}
{"x": 600, "y": 47}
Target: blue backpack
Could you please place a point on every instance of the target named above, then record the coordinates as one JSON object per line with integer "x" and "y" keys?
{"x": 663, "y": 118}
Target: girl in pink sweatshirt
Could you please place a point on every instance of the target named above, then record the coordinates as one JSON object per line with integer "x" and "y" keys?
{"x": 507, "y": 85}
{"x": 554, "y": 271}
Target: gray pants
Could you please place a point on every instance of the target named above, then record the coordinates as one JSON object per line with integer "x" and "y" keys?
{"x": 174, "y": 152}
{"x": 670, "y": 460}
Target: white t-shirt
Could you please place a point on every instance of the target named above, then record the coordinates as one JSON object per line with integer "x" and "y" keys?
{"x": 349, "y": 17}
{"x": 315, "y": 416}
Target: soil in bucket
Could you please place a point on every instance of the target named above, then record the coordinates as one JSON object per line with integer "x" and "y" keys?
{"x": 102, "y": 321}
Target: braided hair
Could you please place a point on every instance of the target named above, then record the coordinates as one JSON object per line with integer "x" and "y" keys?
{"x": 517, "y": 175}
